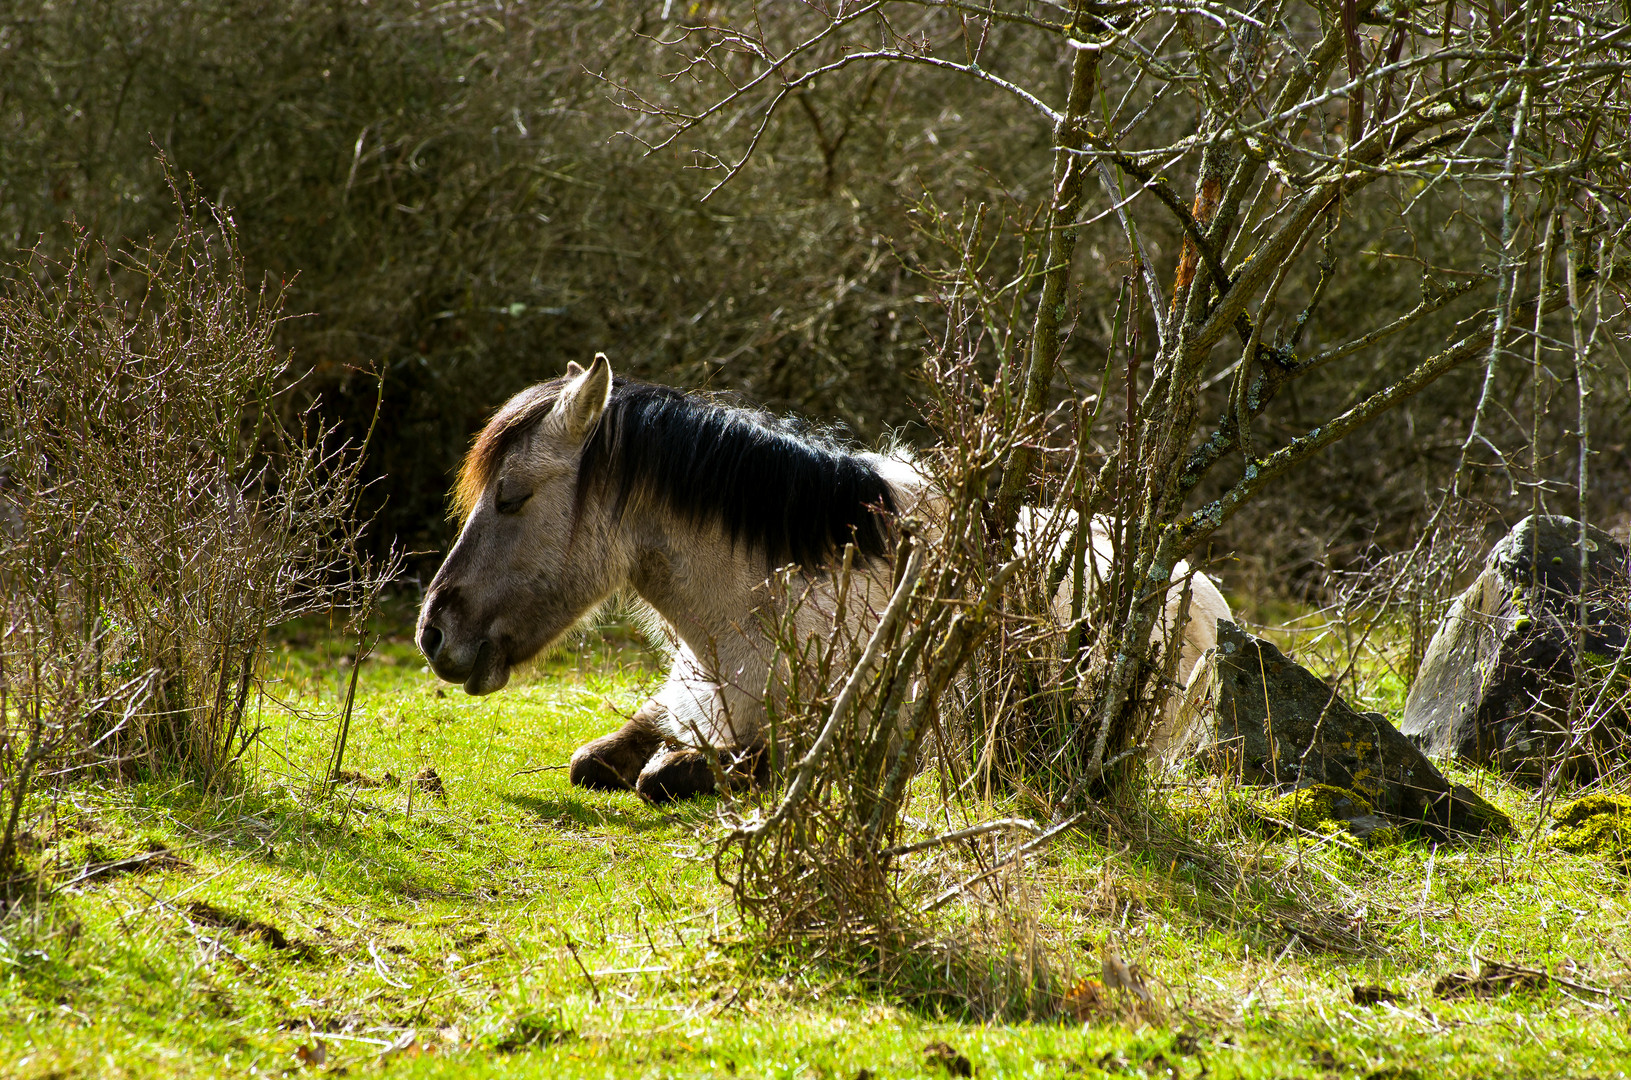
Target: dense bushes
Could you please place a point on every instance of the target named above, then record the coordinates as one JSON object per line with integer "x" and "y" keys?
{"x": 160, "y": 509}
{"x": 445, "y": 190}
{"x": 443, "y": 187}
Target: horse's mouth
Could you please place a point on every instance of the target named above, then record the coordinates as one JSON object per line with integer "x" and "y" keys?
{"x": 490, "y": 671}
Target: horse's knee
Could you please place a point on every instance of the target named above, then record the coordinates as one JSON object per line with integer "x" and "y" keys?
{"x": 613, "y": 762}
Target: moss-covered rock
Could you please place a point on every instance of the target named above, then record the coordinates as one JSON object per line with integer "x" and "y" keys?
{"x": 1257, "y": 715}
{"x": 1331, "y": 811}
{"x": 1308, "y": 807}
{"x": 1595, "y": 825}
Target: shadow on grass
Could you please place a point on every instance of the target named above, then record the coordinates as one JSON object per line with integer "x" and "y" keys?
{"x": 637, "y": 817}
{"x": 1007, "y": 959}
{"x": 343, "y": 840}
{"x": 351, "y": 841}
{"x": 1230, "y": 870}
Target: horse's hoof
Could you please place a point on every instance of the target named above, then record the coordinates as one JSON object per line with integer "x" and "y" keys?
{"x": 613, "y": 762}
{"x": 675, "y": 774}
{"x": 595, "y": 773}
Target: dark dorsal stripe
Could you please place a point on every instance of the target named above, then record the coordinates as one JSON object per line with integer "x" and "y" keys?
{"x": 774, "y": 484}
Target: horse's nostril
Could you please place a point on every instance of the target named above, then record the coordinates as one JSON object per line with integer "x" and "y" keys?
{"x": 430, "y": 642}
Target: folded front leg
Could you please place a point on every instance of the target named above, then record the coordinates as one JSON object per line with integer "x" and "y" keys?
{"x": 613, "y": 762}
{"x": 675, "y": 773}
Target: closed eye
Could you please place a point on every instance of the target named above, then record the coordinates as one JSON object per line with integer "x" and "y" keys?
{"x": 510, "y": 505}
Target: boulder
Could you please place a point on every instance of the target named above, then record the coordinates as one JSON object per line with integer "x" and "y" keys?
{"x": 1495, "y": 684}
{"x": 1252, "y": 712}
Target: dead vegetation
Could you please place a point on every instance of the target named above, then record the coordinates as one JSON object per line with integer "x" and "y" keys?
{"x": 164, "y": 507}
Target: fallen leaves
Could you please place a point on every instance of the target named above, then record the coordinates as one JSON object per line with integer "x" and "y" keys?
{"x": 1120, "y": 985}
{"x": 1377, "y": 995}
{"x": 1120, "y": 975}
{"x": 946, "y": 1056}
{"x": 1086, "y": 999}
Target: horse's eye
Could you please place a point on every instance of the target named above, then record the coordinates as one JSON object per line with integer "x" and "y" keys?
{"x": 511, "y": 504}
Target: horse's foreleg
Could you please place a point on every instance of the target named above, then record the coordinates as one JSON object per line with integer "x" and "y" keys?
{"x": 613, "y": 762}
{"x": 675, "y": 773}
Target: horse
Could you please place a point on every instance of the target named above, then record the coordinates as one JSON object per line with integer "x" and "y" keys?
{"x": 589, "y": 484}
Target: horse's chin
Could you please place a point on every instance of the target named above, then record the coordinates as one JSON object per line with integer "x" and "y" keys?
{"x": 492, "y": 671}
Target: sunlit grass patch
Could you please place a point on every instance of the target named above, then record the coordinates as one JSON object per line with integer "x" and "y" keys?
{"x": 521, "y": 927}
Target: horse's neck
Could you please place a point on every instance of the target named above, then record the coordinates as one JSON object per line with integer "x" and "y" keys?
{"x": 715, "y": 593}
{"x": 696, "y": 580}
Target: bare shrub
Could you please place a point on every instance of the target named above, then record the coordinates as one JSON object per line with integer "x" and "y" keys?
{"x": 964, "y": 668}
{"x": 163, "y": 506}
{"x": 58, "y": 705}
{"x": 1443, "y": 173}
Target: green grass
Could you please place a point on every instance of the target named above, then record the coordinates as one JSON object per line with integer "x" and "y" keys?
{"x": 524, "y": 928}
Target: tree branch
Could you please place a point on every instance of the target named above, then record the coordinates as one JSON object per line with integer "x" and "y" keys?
{"x": 1196, "y": 526}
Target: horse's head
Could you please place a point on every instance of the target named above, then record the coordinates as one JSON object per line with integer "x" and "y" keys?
{"x": 530, "y": 561}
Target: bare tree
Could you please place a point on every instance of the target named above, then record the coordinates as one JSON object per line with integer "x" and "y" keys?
{"x": 1351, "y": 126}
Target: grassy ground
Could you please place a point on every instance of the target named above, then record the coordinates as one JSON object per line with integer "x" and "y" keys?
{"x": 524, "y": 928}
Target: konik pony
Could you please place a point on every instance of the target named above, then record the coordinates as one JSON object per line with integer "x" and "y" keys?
{"x": 587, "y": 484}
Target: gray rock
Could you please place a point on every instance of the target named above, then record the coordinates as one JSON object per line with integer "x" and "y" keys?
{"x": 1495, "y": 684}
{"x": 1254, "y": 713}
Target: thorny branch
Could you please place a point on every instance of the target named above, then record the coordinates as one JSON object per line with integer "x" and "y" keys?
{"x": 1254, "y": 161}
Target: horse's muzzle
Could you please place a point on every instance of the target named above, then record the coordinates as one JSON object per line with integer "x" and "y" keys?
{"x": 490, "y": 671}
{"x": 482, "y": 669}
{"x": 479, "y": 662}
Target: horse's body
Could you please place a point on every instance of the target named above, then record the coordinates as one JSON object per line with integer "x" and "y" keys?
{"x": 585, "y": 485}
{"x": 1193, "y": 601}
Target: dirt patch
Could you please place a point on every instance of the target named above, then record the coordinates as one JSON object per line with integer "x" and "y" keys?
{"x": 363, "y": 780}
{"x": 203, "y": 912}
{"x": 1376, "y": 995}
{"x": 530, "y": 1031}
{"x": 430, "y": 783}
{"x": 946, "y": 1056}
{"x": 1492, "y": 980}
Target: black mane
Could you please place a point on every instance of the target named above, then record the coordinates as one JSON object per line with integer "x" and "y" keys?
{"x": 776, "y": 485}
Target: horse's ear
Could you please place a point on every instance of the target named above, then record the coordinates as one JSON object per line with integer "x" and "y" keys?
{"x": 584, "y": 398}
{"x": 573, "y": 369}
